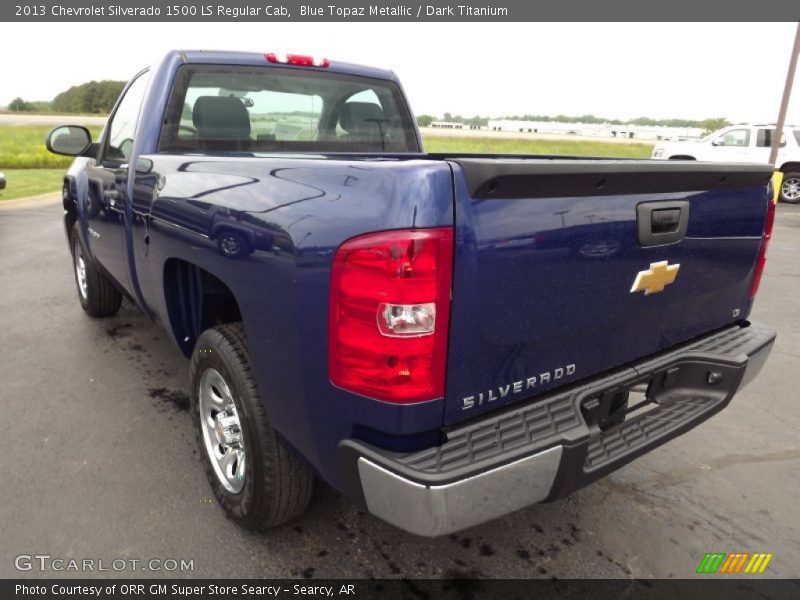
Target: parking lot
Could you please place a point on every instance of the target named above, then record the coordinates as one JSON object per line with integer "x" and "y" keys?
{"x": 99, "y": 458}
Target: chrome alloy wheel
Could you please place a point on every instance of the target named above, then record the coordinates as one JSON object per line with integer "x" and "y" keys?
{"x": 231, "y": 245}
{"x": 222, "y": 431}
{"x": 790, "y": 188}
{"x": 80, "y": 272}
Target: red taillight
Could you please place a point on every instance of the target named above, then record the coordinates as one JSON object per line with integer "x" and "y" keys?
{"x": 762, "y": 253}
{"x": 389, "y": 313}
{"x": 298, "y": 60}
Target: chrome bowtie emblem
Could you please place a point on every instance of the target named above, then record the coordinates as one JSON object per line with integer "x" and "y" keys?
{"x": 656, "y": 278}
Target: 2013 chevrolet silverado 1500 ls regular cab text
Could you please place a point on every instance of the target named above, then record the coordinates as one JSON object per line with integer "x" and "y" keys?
{"x": 443, "y": 338}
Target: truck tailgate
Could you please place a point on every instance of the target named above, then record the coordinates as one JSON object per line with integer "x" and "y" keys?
{"x": 559, "y": 262}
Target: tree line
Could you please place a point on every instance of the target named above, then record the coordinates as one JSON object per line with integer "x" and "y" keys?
{"x": 98, "y": 97}
{"x": 93, "y": 97}
{"x": 711, "y": 124}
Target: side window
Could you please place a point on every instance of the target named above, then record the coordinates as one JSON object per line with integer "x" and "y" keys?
{"x": 734, "y": 137}
{"x": 764, "y": 138}
{"x": 119, "y": 146}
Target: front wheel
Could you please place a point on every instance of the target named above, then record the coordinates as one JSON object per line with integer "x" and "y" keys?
{"x": 97, "y": 294}
{"x": 232, "y": 244}
{"x": 790, "y": 188}
{"x": 255, "y": 478}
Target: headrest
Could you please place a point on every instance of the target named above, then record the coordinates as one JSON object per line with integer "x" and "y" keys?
{"x": 221, "y": 118}
{"x": 354, "y": 116}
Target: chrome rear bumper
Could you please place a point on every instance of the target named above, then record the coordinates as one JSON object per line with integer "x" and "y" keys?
{"x": 551, "y": 446}
{"x": 441, "y": 509}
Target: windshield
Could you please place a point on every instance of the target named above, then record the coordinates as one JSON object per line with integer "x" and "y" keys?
{"x": 216, "y": 108}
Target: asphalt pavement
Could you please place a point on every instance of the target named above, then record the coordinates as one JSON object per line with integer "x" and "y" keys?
{"x": 99, "y": 461}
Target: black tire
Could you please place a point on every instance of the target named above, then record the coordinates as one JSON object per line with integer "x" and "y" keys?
{"x": 232, "y": 244}
{"x": 791, "y": 185}
{"x": 277, "y": 485}
{"x": 100, "y": 297}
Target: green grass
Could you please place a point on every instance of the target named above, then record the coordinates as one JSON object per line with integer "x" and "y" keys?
{"x": 31, "y": 170}
{"x": 47, "y": 113}
{"x": 499, "y": 145}
{"x": 22, "y": 147}
{"x": 21, "y": 183}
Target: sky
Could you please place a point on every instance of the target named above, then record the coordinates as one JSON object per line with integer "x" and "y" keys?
{"x": 614, "y": 70}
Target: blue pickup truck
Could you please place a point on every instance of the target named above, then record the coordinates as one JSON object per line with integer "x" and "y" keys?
{"x": 443, "y": 338}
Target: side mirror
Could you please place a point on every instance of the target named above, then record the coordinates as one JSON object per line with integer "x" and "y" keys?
{"x": 718, "y": 142}
{"x": 70, "y": 140}
{"x": 143, "y": 166}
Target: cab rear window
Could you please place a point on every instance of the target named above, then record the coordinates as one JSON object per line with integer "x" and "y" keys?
{"x": 266, "y": 109}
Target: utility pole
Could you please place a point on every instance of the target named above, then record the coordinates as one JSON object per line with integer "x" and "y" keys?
{"x": 787, "y": 91}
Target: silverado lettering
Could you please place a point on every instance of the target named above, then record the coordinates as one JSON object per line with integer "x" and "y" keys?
{"x": 349, "y": 303}
{"x": 518, "y": 387}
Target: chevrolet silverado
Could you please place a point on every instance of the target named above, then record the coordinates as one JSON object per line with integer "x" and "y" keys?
{"x": 443, "y": 338}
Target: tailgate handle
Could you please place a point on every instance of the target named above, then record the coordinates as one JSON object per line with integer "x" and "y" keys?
{"x": 662, "y": 222}
{"x": 665, "y": 220}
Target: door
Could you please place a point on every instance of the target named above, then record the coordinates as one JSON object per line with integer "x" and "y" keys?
{"x": 764, "y": 139}
{"x": 107, "y": 177}
{"x": 733, "y": 145}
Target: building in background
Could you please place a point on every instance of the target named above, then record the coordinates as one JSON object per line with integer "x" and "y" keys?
{"x": 448, "y": 125}
{"x": 602, "y": 130}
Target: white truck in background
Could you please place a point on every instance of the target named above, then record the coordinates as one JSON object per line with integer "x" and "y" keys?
{"x": 745, "y": 144}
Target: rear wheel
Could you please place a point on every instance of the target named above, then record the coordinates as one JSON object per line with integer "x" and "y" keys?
{"x": 255, "y": 478}
{"x": 232, "y": 244}
{"x": 790, "y": 188}
{"x": 97, "y": 294}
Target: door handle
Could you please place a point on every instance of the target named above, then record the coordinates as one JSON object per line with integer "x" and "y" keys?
{"x": 659, "y": 223}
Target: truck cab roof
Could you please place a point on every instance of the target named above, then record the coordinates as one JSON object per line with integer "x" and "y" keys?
{"x": 222, "y": 57}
